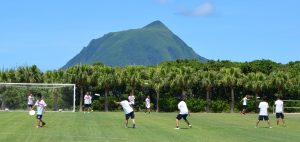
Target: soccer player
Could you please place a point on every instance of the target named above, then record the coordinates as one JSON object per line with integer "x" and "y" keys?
{"x": 279, "y": 110}
{"x": 183, "y": 113}
{"x": 128, "y": 110}
{"x": 87, "y": 102}
{"x": 263, "y": 112}
{"x": 30, "y": 100}
{"x": 244, "y": 100}
{"x": 147, "y": 103}
{"x": 41, "y": 107}
{"x": 131, "y": 100}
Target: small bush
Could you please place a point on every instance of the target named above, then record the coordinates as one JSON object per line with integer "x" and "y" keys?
{"x": 220, "y": 106}
{"x": 196, "y": 105}
{"x": 168, "y": 104}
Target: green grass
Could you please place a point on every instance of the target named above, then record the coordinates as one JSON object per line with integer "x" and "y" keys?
{"x": 108, "y": 127}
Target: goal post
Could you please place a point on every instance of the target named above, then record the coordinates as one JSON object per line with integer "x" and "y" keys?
{"x": 290, "y": 106}
{"x": 59, "y": 97}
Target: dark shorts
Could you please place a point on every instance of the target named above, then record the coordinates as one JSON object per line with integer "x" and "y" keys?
{"x": 131, "y": 115}
{"x": 87, "y": 105}
{"x": 263, "y": 117}
{"x": 280, "y": 115}
{"x": 245, "y": 106}
{"x": 179, "y": 116}
{"x": 39, "y": 117}
{"x": 30, "y": 105}
{"x": 132, "y": 105}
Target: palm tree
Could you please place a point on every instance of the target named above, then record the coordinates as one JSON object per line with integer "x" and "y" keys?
{"x": 81, "y": 76}
{"x": 181, "y": 78}
{"x": 131, "y": 76}
{"x": 296, "y": 84}
{"x": 3, "y": 78}
{"x": 208, "y": 80}
{"x": 29, "y": 74}
{"x": 280, "y": 80}
{"x": 157, "y": 79}
{"x": 256, "y": 82}
{"x": 105, "y": 79}
{"x": 55, "y": 77}
{"x": 232, "y": 78}
{"x": 10, "y": 76}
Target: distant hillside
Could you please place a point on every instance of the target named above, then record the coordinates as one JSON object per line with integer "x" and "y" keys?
{"x": 149, "y": 45}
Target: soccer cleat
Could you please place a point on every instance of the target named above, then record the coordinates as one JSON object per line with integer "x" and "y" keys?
{"x": 190, "y": 126}
{"x": 133, "y": 126}
{"x": 176, "y": 128}
{"x": 37, "y": 126}
{"x": 43, "y": 124}
{"x": 270, "y": 127}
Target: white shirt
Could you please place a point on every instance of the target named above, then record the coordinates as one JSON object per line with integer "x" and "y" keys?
{"x": 131, "y": 99}
{"x": 263, "y": 106}
{"x": 126, "y": 107}
{"x": 244, "y": 101}
{"x": 182, "y": 108}
{"x": 30, "y": 100}
{"x": 147, "y": 102}
{"x": 40, "y": 106}
{"x": 279, "y": 106}
{"x": 87, "y": 99}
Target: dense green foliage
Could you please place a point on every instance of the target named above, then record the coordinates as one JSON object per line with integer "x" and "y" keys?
{"x": 213, "y": 86}
{"x": 149, "y": 45}
{"x": 156, "y": 127}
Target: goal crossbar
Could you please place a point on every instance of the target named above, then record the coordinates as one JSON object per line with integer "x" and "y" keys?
{"x": 44, "y": 85}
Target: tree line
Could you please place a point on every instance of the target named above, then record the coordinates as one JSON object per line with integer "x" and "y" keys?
{"x": 212, "y": 86}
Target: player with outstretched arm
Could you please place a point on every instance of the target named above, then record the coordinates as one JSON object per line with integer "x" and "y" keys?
{"x": 128, "y": 110}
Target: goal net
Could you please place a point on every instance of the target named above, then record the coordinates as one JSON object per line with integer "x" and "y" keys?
{"x": 290, "y": 106}
{"x": 58, "y": 97}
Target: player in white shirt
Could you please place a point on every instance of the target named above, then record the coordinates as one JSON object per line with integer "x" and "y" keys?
{"x": 244, "y": 100}
{"x": 263, "y": 113}
{"x": 279, "y": 110}
{"x": 183, "y": 113}
{"x": 87, "y": 102}
{"x": 30, "y": 100}
{"x": 128, "y": 110}
{"x": 41, "y": 107}
{"x": 148, "y": 105}
{"x": 131, "y": 100}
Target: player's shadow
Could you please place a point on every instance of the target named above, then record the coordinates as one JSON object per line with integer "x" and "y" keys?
{"x": 184, "y": 128}
{"x": 264, "y": 127}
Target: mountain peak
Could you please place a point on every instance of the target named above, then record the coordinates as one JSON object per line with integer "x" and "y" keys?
{"x": 149, "y": 45}
{"x": 157, "y": 25}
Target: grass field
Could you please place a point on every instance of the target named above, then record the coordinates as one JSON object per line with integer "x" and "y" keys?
{"x": 108, "y": 127}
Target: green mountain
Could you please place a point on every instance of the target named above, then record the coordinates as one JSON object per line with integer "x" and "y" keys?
{"x": 149, "y": 45}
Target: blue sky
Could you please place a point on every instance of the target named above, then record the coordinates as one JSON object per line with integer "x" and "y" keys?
{"x": 49, "y": 33}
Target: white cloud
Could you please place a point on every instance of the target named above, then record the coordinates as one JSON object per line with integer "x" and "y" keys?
{"x": 204, "y": 9}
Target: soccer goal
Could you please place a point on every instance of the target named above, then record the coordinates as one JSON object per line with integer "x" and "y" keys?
{"x": 290, "y": 106}
{"x": 59, "y": 97}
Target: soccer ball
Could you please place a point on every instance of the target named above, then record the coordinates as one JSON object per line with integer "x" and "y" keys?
{"x": 31, "y": 112}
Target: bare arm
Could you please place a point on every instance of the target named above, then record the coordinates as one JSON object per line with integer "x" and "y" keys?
{"x": 33, "y": 107}
{"x": 117, "y": 102}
